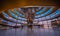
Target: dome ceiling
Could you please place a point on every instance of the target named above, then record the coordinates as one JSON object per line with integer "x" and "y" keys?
{"x": 8, "y": 4}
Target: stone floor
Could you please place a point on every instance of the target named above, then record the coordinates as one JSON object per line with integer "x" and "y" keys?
{"x": 31, "y": 32}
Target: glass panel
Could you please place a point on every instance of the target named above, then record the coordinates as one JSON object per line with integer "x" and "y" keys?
{"x": 42, "y": 10}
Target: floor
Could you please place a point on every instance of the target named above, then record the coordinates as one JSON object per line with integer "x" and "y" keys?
{"x": 31, "y": 32}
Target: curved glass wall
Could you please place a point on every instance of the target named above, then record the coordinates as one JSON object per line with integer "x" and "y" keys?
{"x": 43, "y": 15}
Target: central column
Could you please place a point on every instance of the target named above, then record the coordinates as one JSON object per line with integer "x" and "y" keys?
{"x": 30, "y": 16}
